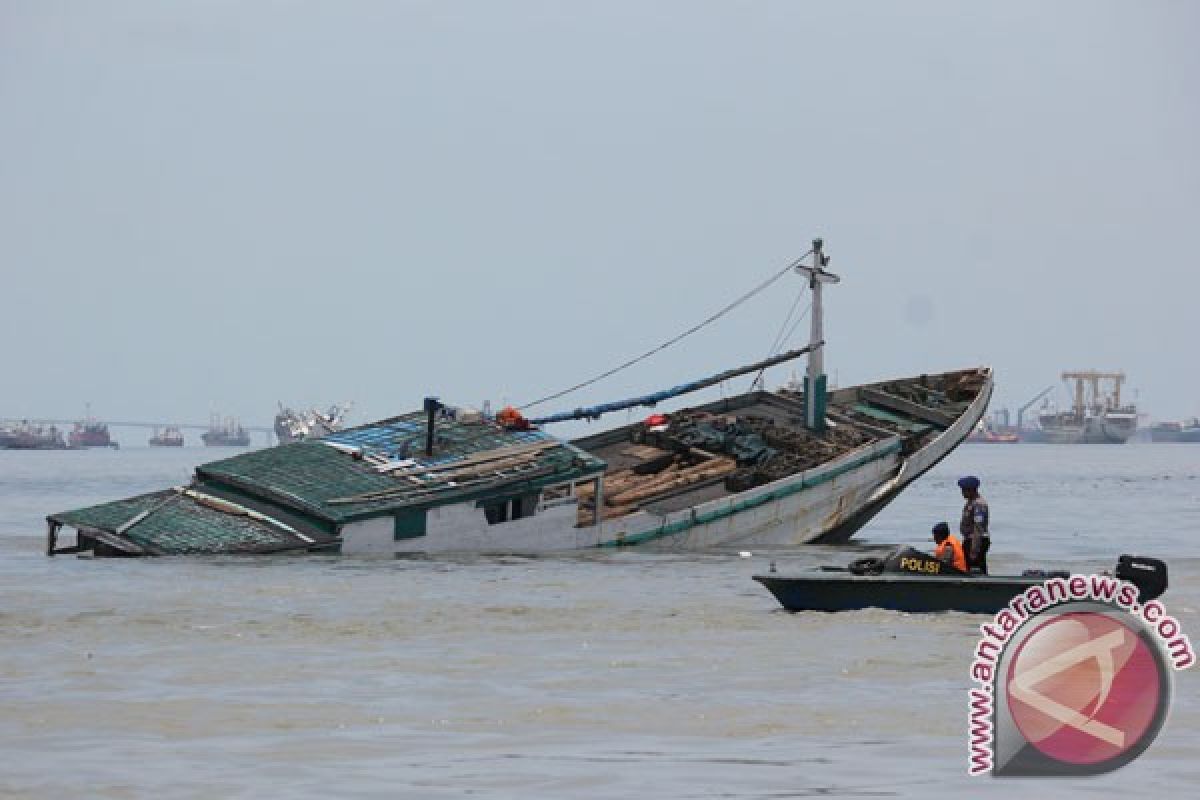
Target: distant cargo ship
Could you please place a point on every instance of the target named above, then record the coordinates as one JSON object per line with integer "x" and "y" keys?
{"x": 167, "y": 437}
{"x": 1186, "y": 431}
{"x": 227, "y": 433}
{"x": 1096, "y": 417}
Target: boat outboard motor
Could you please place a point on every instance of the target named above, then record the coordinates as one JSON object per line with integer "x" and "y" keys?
{"x": 1148, "y": 574}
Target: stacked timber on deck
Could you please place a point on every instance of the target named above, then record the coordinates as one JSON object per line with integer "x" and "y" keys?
{"x": 688, "y": 456}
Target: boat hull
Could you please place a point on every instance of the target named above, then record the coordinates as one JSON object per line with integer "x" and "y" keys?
{"x": 912, "y": 468}
{"x": 827, "y": 504}
{"x": 1094, "y": 430}
{"x": 1186, "y": 435}
{"x": 909, "y": 593}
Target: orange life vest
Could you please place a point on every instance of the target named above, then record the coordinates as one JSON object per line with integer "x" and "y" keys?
{"x": 959, "y": 559}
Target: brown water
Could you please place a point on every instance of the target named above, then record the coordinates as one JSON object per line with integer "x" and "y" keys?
{"x": 615, "y": 674}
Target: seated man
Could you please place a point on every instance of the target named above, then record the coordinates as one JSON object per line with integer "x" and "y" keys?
{"x": 949, "y": 550}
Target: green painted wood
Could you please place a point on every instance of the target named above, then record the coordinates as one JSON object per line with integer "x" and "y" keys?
{"x": 409, "y": 525}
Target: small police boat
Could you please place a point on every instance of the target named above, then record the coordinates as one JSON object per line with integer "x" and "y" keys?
{"x": 909, "y": 580}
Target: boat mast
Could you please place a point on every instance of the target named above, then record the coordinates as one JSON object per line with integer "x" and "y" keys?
{"x": 814, "y": 378}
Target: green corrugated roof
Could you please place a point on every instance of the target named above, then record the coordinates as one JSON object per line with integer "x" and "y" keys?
{"x": 302, "y": 475}
{"x": 110, "y": 516}
{"x": 178, "y": 524}
{"x": 304, "y": 522}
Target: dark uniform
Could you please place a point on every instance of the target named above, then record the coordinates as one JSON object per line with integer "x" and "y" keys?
{"x": 974, "y": 530}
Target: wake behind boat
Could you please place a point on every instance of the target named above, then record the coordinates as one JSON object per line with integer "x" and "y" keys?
{"x": 801, "y": 464}
{"x": 912, "y": 581}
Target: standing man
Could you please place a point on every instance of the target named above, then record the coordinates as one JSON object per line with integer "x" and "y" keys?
{"x": 974, "y": 525}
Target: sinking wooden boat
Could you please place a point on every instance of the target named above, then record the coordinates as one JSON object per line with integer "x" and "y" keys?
{"x": 800, "y": 464}
{"x": 915, "y": 582}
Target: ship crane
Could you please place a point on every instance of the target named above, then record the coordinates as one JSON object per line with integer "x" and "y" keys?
{"x": 1093, "y": 377}
{"x": 1021, "y": 411}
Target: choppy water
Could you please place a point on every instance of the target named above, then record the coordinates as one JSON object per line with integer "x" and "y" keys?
{"x": 624, "y": 674}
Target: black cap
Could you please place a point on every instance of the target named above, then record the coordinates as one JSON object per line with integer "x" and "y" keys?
{"x": 941, "y": 528}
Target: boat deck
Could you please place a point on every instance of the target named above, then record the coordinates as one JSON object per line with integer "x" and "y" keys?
{"x": 700, "y": 454}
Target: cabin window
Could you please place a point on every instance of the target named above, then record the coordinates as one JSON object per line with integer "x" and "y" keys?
{"x": 496, "y": 512}
{"x": 409, "y": 525}
{"x": 510, "y": 508}
{"x": 524, "y": 506}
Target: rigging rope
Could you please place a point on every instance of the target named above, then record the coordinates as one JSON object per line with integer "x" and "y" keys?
{"x": 796, "y": 324}
{"x": 783, "y": 338}
{"x": 780, "y": 337}
{"x": 762, "y": 286}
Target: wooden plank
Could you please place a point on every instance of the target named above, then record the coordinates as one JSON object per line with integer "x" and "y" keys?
{"x": 679, "y": 480}
{"x": 114, "y": 541}
{"x": 643, "y": 452}
{"x": 498, "y": 465}
{"x": 704, "y": 484}
{"x": 229, "y": 507}
{"x": 841, "y": 419}
{"x": 129, "y": 524}
{"x": 878, "y": 398}
{"x": 490, "y": 455}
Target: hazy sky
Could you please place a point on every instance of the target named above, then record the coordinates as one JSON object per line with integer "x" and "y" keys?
{"x": 219, "y": 205}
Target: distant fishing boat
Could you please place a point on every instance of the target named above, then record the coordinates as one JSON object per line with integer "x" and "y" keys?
{"x": 29, "y": 436}
{"x": 225, "y": 433}
{"x": 90, "y": 432}
{"x": 169, "y": 436}
{"x": 790, "y": 466}
{"x": 984, "y": 434}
